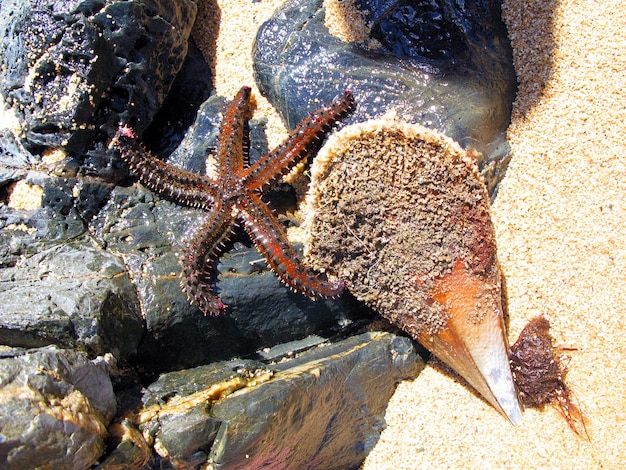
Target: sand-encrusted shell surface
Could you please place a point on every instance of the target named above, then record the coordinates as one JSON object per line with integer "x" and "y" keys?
{"x": 393, "y": 208}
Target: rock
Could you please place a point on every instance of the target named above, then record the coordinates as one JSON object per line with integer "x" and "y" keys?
{"x": 445, "y": 65}
{"x": 322, "y": 409}
{"x": 72, "y": 295}
{"x": 191, "y": 87}
{"x": 55, "y": 406}
{"x": 177, "y": 408}
{"x": 15, "y": 160}
{"x": 75, "y": 67}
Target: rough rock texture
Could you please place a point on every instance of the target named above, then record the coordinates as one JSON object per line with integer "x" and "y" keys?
{"x": 445, "y": 65}
{"x": 54, "y": 408}
{"x": 71, "y": 67}
{"x": 72, "y": 295}
{"x": 322, "y": 410}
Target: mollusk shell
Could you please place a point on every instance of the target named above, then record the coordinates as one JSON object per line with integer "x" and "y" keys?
{"x": 401, "y": 214}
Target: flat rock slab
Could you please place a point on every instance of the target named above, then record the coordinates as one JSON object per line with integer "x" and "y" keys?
{"x": 323, "y": 409}
{"x": 70, "y": 294}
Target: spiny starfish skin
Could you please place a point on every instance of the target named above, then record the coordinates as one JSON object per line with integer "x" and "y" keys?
{"x": 236, "y": 194}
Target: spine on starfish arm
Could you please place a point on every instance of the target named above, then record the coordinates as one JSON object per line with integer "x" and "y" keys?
{"x": 234, "y": 131}
{"x": 187, "y": 188}
{"x": 272, "y": 242}
{"x": 299, "y": 144}
{"x": 198, "y": 256}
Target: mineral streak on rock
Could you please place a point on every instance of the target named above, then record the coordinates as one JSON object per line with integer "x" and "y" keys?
{"x": 400, "y": 212}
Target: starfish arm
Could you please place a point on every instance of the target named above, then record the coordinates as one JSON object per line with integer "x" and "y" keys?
{"x": 198, "y": 256}
{"x": 234, "y": 134}
{"x": 300, "y": 143}
{"x": 181, "y": 186}
{"x": 271, "y": 240}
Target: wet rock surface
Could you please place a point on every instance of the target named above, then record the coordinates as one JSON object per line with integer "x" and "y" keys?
{"x": 444, "y": 65}
{"x": 54, "y": 408}
{"x": 72, "y": 295}
{"x": 323, "y": 409}
{"x": 73, "y": 68}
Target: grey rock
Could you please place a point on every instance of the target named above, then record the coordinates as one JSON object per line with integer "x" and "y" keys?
{"x": 324, "y": 409}
{"x": 54, "y": 408}
{"x": 71, "y": 295}
{"x": 15, "y": 160}
{"x": 191, "y": 87}
{"x": 446, "y": 65}
{"x": 179, "y": 403}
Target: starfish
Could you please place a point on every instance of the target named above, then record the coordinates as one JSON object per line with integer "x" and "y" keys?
{"x": 235, "y": 193}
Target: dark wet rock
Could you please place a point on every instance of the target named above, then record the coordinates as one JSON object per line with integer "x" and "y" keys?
{"x": 129, "y": 450}
{"x": 58, "y": 218}
{"x": 72, "y": 295}
{"x": 261, "y": 313}
{"x": 446, "y": 65}
{"x": 191, "y": 88}
{"x": 293, "y": 316}
{"x": 15, "y": 160}
{"x": 322, "y": 409}
{"x": 66, "y": 206}
{"x": 74, "y": 67}
{"x": 177, "y": 414}
{"x": 54, "y": 408}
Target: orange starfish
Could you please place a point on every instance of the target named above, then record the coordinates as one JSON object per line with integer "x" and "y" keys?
{"x": 236, "y": 194}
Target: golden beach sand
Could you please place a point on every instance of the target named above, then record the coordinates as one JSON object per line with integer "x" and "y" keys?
{"x": 559, "y": 218}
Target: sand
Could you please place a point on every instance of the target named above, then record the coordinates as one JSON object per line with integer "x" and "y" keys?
{"x": 561, "y": 240}
{"x": 559, "y": 218}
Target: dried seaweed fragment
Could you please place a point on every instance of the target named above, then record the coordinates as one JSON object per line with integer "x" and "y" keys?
{"x": 539, "y": 373}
